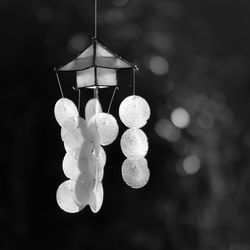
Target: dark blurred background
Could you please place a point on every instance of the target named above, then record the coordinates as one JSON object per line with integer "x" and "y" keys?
{"x": 194, "y": 59}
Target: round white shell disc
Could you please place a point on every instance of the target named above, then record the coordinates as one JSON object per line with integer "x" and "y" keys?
{"x": 64, "y": 109}
{"x": 74, "y": 132}
{"x": 96, "y": 198}
{"x": 71, "y": 123}
{"x": 70, "y": 167}
{"x": 134, "y": 111}
{"x": 107, "y": 127}
{"x": 64, "y": 197}
{"x": 135, "y": 172}
{"x": 92, "y": 107}
{"x": 73, "y": 139}
{"x": 134, "y": 144}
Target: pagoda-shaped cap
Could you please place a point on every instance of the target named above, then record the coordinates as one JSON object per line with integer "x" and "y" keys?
{"x": 96, "y": 55}
{"x": 96, "y": 66}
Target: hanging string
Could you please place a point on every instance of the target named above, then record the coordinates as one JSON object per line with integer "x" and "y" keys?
{"x": 96, "y": 93}
{"x": 112, "y": 98}
{"x": 134, "y": 72}
{"x": 95, "y": 19}
{"x": 58, "y": 80}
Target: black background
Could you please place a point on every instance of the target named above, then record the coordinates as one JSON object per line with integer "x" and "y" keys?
{"x": 207, "y": 46}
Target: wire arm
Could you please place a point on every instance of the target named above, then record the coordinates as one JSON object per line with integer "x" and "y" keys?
{"x": 112, "y": 98}
{"x": 59, "y": 83}
{"x": 79, "y": 98}
{"x": 134, "y": 74}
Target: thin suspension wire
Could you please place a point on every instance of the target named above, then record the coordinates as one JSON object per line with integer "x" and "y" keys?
{"x": 95, "y": 19}
{"x": 134, "y": 72}
{"x": 112, "y": 98}
{"x": 79, "y": 100}
{"x": 96, "y": 93}
{"x": 60, "y": 86}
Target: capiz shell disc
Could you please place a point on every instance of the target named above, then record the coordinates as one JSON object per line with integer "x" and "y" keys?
{"x": 92, "y": 108}
{"x": 135, "y": 172}
{"x": 107, "y": 127}
{"x": 70, "y": 167}
{"x": 134, "y": 111}
{"x": 64, "y": 197}
{"x": 64, "y": 109}
{"x": 134, "y": 143}
{"x": 96, "y": 198}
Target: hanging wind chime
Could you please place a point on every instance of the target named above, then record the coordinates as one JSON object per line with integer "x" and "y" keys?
{"x": 83, "y": 164}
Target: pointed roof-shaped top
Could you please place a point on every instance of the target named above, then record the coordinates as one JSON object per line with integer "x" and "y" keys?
{"x": 99, "y": 56}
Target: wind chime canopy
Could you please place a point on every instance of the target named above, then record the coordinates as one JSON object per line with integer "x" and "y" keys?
{"x": 96, "y": 66}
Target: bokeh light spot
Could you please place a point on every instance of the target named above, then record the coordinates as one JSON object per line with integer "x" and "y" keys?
{"x": 165, "y": 129}
{"x": 158, "y": 65}
{"x": 206, "y": 120}
{"x": 114, "y": 16}
{"x": 77, "y": 43}
{"x": 191, "y": 164}
{"x": 120, "y": 3}
{"x": 180, "y": 118}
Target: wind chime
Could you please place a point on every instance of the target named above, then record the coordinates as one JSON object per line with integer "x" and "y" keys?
{"x": 83, "y": 164}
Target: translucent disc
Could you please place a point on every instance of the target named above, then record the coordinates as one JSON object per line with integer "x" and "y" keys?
{"x": 107, "y": 127}
{"x": 70, "y": 167}
{"x": 96, "y": 198}
{"x": 102, "y": 161}
{"x": 75, "y": 153}
{"x": 95, "y": 168}
{"x": 134, "y": 111}
{"x": 87, "y": 148}
{"x": 134, "y": 144}
{"x": 73, "y": 139}
{"x": 94, "y": 135}
{"x": 92, "y": 107}
{"x": 74, "y": 132}
{"x": 88, "y": 166}
{"x": 102, "y": 157}
{"x": 64, "y": 197}
{"x": 71, "y": 123}
{"x": 100, "y": 174}
{"x": 135, "y": 172}
{"x": 82, "y": 190}
{"x": 65, "y": 109}
{"x": 82, "y": 125}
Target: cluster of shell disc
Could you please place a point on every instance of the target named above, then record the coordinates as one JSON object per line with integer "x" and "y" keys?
{"x": 134, "y": 112}
{"x": 85, "y": 158}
